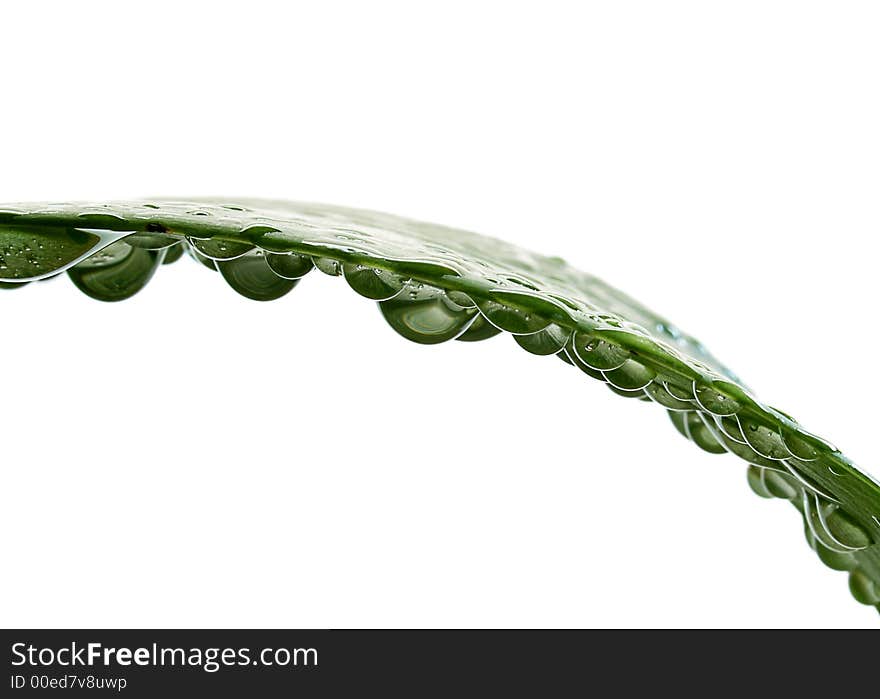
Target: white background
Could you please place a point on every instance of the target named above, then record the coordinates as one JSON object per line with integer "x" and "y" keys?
{"x": 191, "y": 458}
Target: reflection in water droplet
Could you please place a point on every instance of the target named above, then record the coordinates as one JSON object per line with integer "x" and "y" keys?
{"x": 656, "y": 390}
{"x": 762, "y": 438}
{"x": 251, "y": 276}
{"x": 742, "y": 450}
{"x": 547, "y": 341}
{"x": 206, "y": 261}
{"x": 846, "y": 530}
{"x": 174, "y": 253}
{"x": 863, "y": 588}
{"x": 217, "y": 249}
{"x": 575, "y": 360}
{"x": 513, "y": 320}
{"x": 375, "y": 284}
{"x": 781, "y": 485}
{"x": 459, "y": 298}
{"x": 681, "y": 393}
{"x": 798, "y": 446}
{"x": 290, "y": 266}
{"x": 111, "y": 255}
{"x": 754, "y": 475}
{"x": 328, "y": 266}
{"x": 833, "y": 559}
{"x": 692, "y": 426}
{"x": 640, "y": 395}
{"x": 598, "y": 354}
{"x": 817, "y": 513}
{"x": 715, "y": 402}
{"x": 429, "y": 318}
{"x": 119, "y": 277}
{"x": 480, "y": 329}
{"x": 630, "y": 376}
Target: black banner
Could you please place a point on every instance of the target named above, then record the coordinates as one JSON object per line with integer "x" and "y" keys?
{"x": 139, "y": 663}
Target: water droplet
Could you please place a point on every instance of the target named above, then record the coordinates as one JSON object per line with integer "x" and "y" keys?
{"x": 429, "y": 319}
{"x": 544, "y": 342}
{"x": 290, "y": 266}
{"x": 833, "y": 559}
{"x": 328, "y": 266}
{"x": 714, "y": 402}
{"x": 480, "y": 329}
{"x": 754, "y": 475}
{"x": 863, "y": 588}
{"x": 506, "y": 316}
{"x": 630, "y": 376}
{"x": 657, "y": 392}
{"x": 119, "y": 278}
{"x": 252, "y": 277}
{"x": 846, "y": 530}
{"x": 375, "y": 284}
{"x": 692, "y": 426}
{"x": 601, "y": 355}
{"x": 216, "y": 249}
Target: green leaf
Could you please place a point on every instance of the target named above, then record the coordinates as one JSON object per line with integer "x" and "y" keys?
{"x": 435, "y": 284}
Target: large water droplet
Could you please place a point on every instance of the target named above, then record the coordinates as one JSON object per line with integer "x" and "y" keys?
{"x": 781, "y": 485}
{"x": 834, "y": 559}
{"x": 375, "y": 284}
{"x": 206, "y": 261}
{"x": 847, "y": 530}
{"x": 657, "y": 392}
{"x": 863, "y": 588}
{"x": 624, "y": 393}
{"x": 511, "y": 319}
{"x": 426, "y": 316}
{"x": 118, "y": 278}
{"x": 715, "y": 402}
{"x": 755, "y": 477}
{"x": 574, "y": 359}
{"x": 107, "y": 257}
{"x": 461, "y": 299}
{"x": 630, "y": 376}
{"x": 798, "y": 446}
{"x": 174, "y": 253}
{"x": 817, "y": 511}
{"x": 252, "y": 277}
{"x": 743, "y": 451}
{"x": 598, "y": 354}
{"x": 479, "y": 329}
{"x": 328, "y": 266}
{"x": 681, "y": 393}
{"x": 290, "y": 266}
{"x": 547, "y": 341}
{"x": 692, "y": 426}
{"x": 762, "y": 438}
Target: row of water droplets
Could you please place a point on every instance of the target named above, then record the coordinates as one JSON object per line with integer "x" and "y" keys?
{"x": 714, "y": 421}
{"x": 423, "y": 313}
